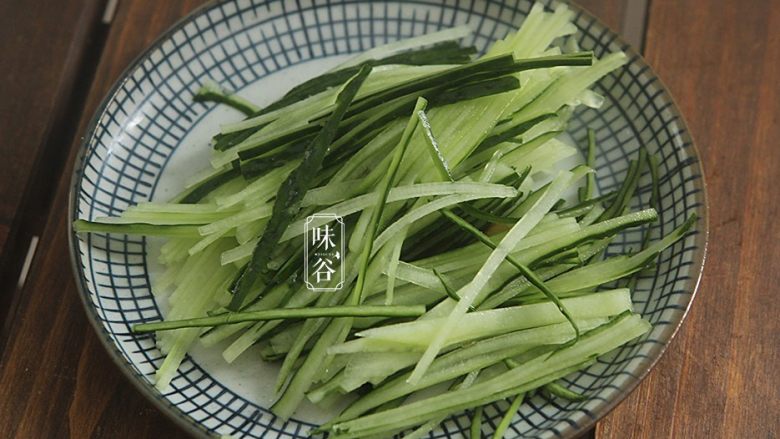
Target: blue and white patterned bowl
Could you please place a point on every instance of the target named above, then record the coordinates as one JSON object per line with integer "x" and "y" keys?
{"x": 148, "y": 137}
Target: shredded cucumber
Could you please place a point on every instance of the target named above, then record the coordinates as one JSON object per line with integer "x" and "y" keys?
{"x": 470, "y": 275}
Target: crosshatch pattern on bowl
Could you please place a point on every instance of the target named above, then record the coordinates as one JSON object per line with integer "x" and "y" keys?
{"x": 238, "y": 43}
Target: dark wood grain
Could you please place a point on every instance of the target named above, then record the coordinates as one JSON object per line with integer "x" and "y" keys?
{"x": 610, "y": 12}
{"x": 38, "y": 58}
{"x": 719, "y": 377}
{"x": 44, "y": 71}
{"x": 56, "y": 378}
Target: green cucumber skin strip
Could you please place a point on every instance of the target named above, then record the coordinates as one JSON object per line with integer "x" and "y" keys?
{"x": 506, "y": 420}
{"x": 442, "y": 53}
{"x": 213, "y": 93}
{"x": 183, "y": 231}
{"x": 626, "y": 191}
{"x": 292, "y": 191}
{"x": 475, "y": 430}
{"x": 562, "y": 392}
{"x": 479, "y": 70}
{"x": 388, "y": 112}
{"x": 284, "y": 313}
{"x": 511, "y": 132}
{"x": 585, "y": 206}
{"x": 199, "y": 191}
{"x": 487, "y": 68}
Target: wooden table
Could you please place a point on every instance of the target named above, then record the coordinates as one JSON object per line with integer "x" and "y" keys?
{"x": 720, "y": 60}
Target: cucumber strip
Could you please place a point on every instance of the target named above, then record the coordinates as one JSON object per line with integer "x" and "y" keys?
{"x": 544, "y": 368}
{"x": 568, "y": 86}
{"x": 263, "y": 187}
{"x": 379, "y": 117}
{"x": 261, "y": 165}
{"x": 465, "y": 191}
{"x": 392, "y": 267}
{"x": 261, "y": 329}
{"x": 283, "y": 341}
{"x": 310, "y": 369}
{"x": 586, "y": 206}
{"x": 310, "y": 328}
{"x": 290, "y": 142}
{"x": 471, "y": 292}
{"x": 592, "y": 215}
{"x": 362, "y": 368}
{"x": 538, "y": 31}
{"x": 335, "y": 332}
{"x": 506, "y": 420}
{"x": 510, "y": 132}
{"x": 447, "y": 52}
{"x": 205, "y": 242}
{"x": 173, "y": 231}
{"x": 555, "y": 389}
{"x": 428, "y": 208}
{"x": 450, "y": 292}
{"x": 522, "y": 268}
{"x": 532, "y": 198}
{"x": 383, "y": 191}
{"x": 167, "y": 208}
{"x": 504, "y": 148}
{"x": 236, "y": 220}
{"x": 608, "y": 270}
{"x": 479, "y": 324}
{"x": 366, "y": 159}
{"x": 590, "y": 161}
{"x": 271, "y": 300}
{"x": 655, "y": 196}
{"x": 200, "y": 190}
{"x": 247, "y": 232}
{"x": 482, "y": 69}
{"x": 267, "y": 125}
{"x": 627, "y": 189}
{"x": 426, "y": 428}
{"x": 487, "y": 216}
{"x": 396, "y": 47}
{"x": 439, "y": 162}
{"x": 210, "y": 91}
{"x": 175, "y": 250}
{"x": 283, "y": 313}
{"x": 475, "y": 431}
{"x": 199, "y": 299}
{"x": 486, "y": 176}
{"x": 292, "y": 191}
{"x": 476, "y": 356}
{"x": 131, "y": 216}
{"x": 464, "y": 256}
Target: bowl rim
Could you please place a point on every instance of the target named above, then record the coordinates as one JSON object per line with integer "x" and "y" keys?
{"x": 193, "y": 427}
